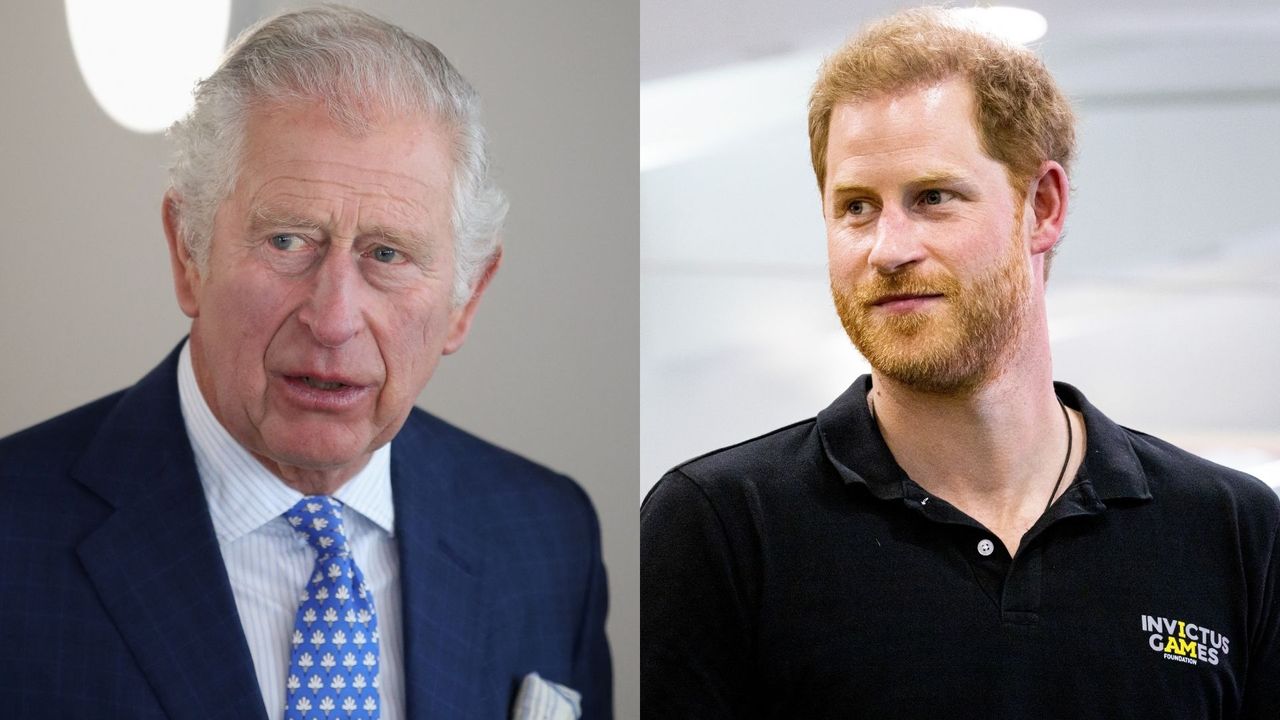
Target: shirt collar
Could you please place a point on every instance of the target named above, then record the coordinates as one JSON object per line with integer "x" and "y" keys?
{"x": 242, "y": 494}
{"x": 851, "y": 439}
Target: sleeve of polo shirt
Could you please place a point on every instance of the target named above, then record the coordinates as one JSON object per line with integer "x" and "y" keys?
{"x": 695, "y": 648}
{"x": 1262, "y": 686}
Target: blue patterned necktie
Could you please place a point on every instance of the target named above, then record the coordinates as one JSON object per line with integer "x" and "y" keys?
{"x": 333, "y": 672}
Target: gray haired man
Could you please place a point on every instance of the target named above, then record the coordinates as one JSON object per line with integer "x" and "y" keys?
{"x": 265, "y": 526}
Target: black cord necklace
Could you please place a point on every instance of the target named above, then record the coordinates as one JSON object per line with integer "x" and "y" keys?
{"x": 1065, "y": 461}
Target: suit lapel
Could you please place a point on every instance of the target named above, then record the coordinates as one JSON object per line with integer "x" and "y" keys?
{"x": 155, "y": 562}
{"x": 440, "y": 571}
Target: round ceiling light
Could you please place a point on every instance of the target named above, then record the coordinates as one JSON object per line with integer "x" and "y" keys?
{"x": 1016, "y": 25}
{"x": 142, "y": 58}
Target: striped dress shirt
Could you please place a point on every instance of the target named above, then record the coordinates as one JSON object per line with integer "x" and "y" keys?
{"x": 268, "y": 563}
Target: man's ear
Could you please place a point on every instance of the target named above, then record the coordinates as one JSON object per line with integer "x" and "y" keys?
{"x": 460, "y": 323}
{"x": 186, "y": 276}
{"x": 1047, "y": 197}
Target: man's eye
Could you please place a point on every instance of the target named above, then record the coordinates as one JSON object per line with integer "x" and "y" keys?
{"x": 935, "y": 197}
{"x": 384, "y": 254}
{"x": 859, "y": 207}
{"x": 287, "y": 243}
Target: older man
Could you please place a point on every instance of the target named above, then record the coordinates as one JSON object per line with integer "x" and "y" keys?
{"x": 956, "y": 535}
{"x": 265, "y": 526}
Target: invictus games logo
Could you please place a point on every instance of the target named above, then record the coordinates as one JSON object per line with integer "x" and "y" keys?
{"x": 1184, "y": 642}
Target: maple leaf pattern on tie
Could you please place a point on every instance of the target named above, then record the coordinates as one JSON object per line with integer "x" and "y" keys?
{"x": 333, "y": 669}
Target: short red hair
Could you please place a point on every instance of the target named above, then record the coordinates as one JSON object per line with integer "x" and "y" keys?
{"x": 1021, "y": 116}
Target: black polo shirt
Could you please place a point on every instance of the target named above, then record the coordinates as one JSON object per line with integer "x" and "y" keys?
{"x": 802, "y": 574}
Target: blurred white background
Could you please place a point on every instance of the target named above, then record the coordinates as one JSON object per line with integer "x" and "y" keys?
{"x": 1164, "y": 303}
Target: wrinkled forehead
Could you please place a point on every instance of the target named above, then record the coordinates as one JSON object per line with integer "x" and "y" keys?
{"x": 298, "y": 163}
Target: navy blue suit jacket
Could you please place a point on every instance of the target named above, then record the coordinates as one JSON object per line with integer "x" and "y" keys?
{"x": 114, "y": 601}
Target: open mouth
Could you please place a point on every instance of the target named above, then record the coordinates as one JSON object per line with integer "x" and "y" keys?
{"x": 340, "y": 393}
{"x": 321, "y": 384}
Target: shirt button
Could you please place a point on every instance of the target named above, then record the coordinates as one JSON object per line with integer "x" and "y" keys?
{"x": 986, "y": 547}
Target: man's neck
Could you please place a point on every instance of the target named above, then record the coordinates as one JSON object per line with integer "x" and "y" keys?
{"x": 994, "y": 452}
{"x": 314, "y": 481}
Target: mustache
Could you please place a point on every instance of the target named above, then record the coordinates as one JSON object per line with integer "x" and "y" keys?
{"x": 882, "y": 286}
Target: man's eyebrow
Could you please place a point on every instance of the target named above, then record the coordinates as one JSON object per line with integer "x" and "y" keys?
{"x": 851, "y": 189}
{"x": 401, "y": 236}
{"x": 939, "y": 177}
{"x": 263, "y": 218}
{"x": 935, "y": 177}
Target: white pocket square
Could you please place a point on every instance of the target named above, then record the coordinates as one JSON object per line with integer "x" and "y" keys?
{"x": 540, "y": 699}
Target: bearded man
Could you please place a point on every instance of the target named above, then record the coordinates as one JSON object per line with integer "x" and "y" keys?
{"x": 957, "y": 533}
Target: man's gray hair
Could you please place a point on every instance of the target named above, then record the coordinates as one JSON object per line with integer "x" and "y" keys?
{"x": 356, "y": 65}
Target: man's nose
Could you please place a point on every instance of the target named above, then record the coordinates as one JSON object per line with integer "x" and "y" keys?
{"x": 898, "y": 243}
{"x": 332, "y": 311}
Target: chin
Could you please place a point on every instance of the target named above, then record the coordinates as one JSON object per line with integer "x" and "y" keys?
{"x": 927, "y": 364}
{"x": 926, "y": 380}
{"x": 318, "y": 449}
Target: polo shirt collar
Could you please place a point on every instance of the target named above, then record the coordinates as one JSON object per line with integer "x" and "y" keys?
{"x": 854, "y": 446}
{"x": 242, "y": 494}
{"x": 851, "y": 439}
